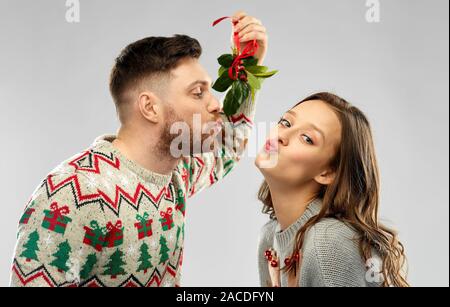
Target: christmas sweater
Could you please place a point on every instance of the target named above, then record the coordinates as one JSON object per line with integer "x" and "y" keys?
{"x": 101, "y": 220}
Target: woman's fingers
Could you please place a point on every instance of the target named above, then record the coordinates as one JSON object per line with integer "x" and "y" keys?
{"x": 245, "y": 22}
{"x": 259, "y": 36}
{"x": 238, "y": 16}
{"x": 252, "y": 28}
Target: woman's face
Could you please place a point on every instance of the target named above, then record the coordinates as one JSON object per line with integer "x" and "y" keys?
{"x": 302, "y": 145}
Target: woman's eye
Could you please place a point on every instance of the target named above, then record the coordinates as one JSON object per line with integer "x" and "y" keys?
{"x": 307, "y": 139}
{"x": 284, "y": 122}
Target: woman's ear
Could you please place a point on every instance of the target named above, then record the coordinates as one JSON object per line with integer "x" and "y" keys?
{"x": 149, "y": 107}
{"x": 326, "y": 178}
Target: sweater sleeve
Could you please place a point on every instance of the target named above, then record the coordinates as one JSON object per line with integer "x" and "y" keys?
{"x": 200, "y": 171}
{"x": 47, "y": 245}
{"x": 331, "y": 258}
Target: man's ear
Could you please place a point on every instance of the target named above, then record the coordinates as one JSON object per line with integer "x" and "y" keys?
{"x": 149, "y": 106}
{"x": 326, "y": 177}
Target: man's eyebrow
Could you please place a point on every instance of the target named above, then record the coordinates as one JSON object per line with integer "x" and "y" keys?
{"x": 199, "y": 82}
{"x": 293, "y": 113}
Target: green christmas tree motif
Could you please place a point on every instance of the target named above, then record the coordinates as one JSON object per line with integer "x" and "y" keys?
{"x": 61, "y": 257}
{"x": 88, "y": 266}
{"x": 164, "y": 251}
{"x": 114, "y": 266}
{"x": 31, "y": 247}
{"x": 181, "y": 202}
{"x": 144, "y": 259}
{"x": 178, "y": 239}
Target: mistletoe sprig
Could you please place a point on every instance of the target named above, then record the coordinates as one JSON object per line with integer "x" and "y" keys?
{"x": 240, "y": 71}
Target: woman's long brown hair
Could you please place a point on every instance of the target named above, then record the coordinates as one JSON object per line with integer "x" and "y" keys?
{"x": 353, "y": 197}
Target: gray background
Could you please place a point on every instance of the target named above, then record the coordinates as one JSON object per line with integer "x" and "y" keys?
{"x": 54, "y": 101}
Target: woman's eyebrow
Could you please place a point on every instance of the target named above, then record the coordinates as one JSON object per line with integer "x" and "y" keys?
{"x": 293, "y": 113}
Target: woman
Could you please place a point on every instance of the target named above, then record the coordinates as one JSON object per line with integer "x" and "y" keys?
{"x": 321, "y": 191}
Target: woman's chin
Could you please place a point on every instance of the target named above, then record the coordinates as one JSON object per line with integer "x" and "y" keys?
{"x": 265, "y": 162}
{"x": 259, "y": 160}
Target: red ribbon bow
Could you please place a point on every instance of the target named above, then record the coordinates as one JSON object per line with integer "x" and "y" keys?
{"x": 249, "y": 51}
{"x": 117, "y": 227}
{"x": 142, "y": 218}
{"x": 166, "y": 214}
{"x": 59, "y": 212}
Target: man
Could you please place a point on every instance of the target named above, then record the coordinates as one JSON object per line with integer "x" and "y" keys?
{"x": 113, "y": 215}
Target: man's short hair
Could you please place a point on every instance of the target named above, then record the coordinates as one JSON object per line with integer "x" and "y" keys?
{"x": 149, "y": 57}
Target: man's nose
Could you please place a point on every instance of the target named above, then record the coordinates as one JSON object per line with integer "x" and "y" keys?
{"x": 214, "y": 105}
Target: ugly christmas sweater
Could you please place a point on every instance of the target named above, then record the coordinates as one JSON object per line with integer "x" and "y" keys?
{"x": 100, "y": 219}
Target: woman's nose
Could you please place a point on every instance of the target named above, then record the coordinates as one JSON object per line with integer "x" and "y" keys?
{"x": 283, "y": 139}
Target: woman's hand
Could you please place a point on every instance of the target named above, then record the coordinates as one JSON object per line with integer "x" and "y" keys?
{"x": 249, "y": 29}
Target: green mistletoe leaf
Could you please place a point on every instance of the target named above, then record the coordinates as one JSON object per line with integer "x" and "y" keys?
{"x": 257, "y": 69}
{"x": 223, "y": 82}
{"x": 238, "y": 93}
{"x": 226, "y": 60}
{"x": 253, "y": 81}
{"x": 266, "y": 74}
{"x": 251, "y": 61}
{"x": 222, "y": 70}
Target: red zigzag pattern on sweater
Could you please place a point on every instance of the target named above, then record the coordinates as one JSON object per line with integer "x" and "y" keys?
{"x": 114, "y": 204}
{"x": 41, "y": 272}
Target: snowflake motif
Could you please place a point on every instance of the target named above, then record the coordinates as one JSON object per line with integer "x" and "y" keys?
{"x": 171, "y": 237}
{"x": 153, "y": 244}
{"x": 91, "y": 182}
{"x": 48, "y": 241}
{"x": 131, "y": 250}
{"x": 107, "y": 185}
{"x": 73, "y": 274}
{"x": 110, "y": 173}
{"x": 124, "y": 181}
{"x": 81, "y": 252}
{"x": 167, "y": 284}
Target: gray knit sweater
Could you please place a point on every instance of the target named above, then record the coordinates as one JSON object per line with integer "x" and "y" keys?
{"x": 330, "y": 253}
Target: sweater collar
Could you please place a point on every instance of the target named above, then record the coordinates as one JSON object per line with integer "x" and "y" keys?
{"x": 104, "y": 143}
{"x": 284, "y": 238}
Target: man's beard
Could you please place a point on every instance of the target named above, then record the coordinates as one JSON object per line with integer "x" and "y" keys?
{"x": 167, "y": 138}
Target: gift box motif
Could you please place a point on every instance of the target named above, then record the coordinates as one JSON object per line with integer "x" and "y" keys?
{"x": 114, "y": 237}
{"x": 144, "y": 226}
{"x": 55, "y": 219}
{"x": 95, "y": 236}
{"x": 167, "y": 219}
{"x": 26, "y": 216}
